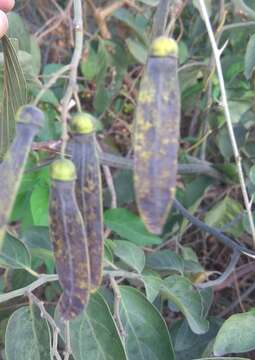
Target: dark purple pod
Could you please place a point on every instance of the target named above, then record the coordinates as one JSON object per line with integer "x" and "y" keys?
{"x": 156, "y": 135}
{"x": 68, "y": 235}
{"x": 29, "y": 122}
{"x": 83, "y": 152}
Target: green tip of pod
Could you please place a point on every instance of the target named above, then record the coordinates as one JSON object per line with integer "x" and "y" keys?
{"x": 30, "y": 114}
{"x": 163, "y": 46}
{"x": 63, "y": 170}
{"x": 83, "y": 123}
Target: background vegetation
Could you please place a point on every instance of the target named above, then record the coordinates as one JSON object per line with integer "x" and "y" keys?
{"x": 153, "y": 303}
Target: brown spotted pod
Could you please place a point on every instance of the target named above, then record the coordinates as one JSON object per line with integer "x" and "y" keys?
{"x": 156, "y": 135}
{"x": 83, "y": 152}
{"x": 29, "y": 122}
{"x": 69, "y": 240}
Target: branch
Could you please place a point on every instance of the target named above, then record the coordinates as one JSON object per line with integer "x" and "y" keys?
{"x": 213, "y": 231}
{"x": 44, "y": 279}
{"x": 68, "y": 350}
{"x": 230, "y": 268}
{"x": 50, "y": 320}
{"x": 101, "y": 14}
{"x": 117, "y": 300}
{"x": 72, "y": 85}
{"x": 200, "y": 167}
{"x": 50, "y": 83}
{"x": 217, "y": 54}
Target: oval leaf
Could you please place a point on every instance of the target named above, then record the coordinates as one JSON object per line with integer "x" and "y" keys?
{"x": 236, "y": 335}
{"x": 165, "y": 260}
{"x": 249, "y": 59}
{"x": 130, "y": 254}
{"x": 94, "y": 334}
{"x": 14, "y": 254}
{"x": 181, "y": 292}
{"x": 147, "y": 336}
{"x": 27, "y": 336}
{"x": 130, "y": 227}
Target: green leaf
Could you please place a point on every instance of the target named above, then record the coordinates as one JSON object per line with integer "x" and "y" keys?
{"x": 249, "y": 59}
{"x": 189, "y": 345}
{"x": 224, "y": 142}
{"x": 236, "y": 335}
{"x": 14, "y": 94}
{"x": 35, "y": 55}
{"x": 38, "y": 241}
{"x": 14, "y": 254}
{"x": 181, "y": 292}
{"x": 133, "y": 22}
{"x": 165, "y": 260}
{"x": 237, "y": 110}
{"x": 152, "y": 284}
{"x": 147, "y": 337}
{"x": 123, "y": 184}
{"x": 18, "y": 30}
{"x": 94, "y": 334}
{"x": 27, "y": 336}
{"x": 223, "y": 213}
{"x": 138, "y": 50}
{"x": 252, "y": 174}
{"x": 95, "y": 66}
{"x": 130, "y": 254}
{"x": 39, "y": 203}
{"x": 130, "y": 227}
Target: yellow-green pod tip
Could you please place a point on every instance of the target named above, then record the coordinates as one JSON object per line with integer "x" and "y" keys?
{"x": 163, "y": 46}
{"x": 83, "y": 123}
{"x": 63, "y": 170}
{"x": 30, "y": 115}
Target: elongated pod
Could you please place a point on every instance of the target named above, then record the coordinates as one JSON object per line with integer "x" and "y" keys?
{"x": 156, "y": 135}
{"x": 29, "y": 122}
{"x": 82, "y": 148}
{"x": 69, "y": 240}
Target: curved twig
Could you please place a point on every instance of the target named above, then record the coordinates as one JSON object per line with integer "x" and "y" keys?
{"x": 230, "y": 268}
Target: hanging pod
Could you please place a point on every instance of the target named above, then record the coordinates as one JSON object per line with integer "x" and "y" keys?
{"x": 29, "y": 121}
{"x": 156, "y": 135}
{"x": 83, "y": 152}
{"x": 68, "y": 235}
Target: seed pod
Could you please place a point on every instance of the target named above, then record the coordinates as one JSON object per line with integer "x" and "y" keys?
{"x": 82, "y": 148}
{"x": 69, "y": 240}
{"x": 156, "y": 135}
{"x": 29, "y": 121}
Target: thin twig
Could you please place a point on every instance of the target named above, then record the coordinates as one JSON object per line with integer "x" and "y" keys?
{"x": 44, "y": 279}
{"x": 117, "y": 301}
{"x": 51, "y": 322}
{"x": 68, "y": 350}
{"x": 50, "y": 83}
{"x": 29, "y": 288}
{"x": 213, "y": 231}
{"x": 217, "y": 54}
{"x": 229, "y": 270}
{"x": 72, "y": 85}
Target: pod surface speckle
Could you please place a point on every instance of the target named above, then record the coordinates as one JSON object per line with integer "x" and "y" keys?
{"x": 156, "y": 141}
